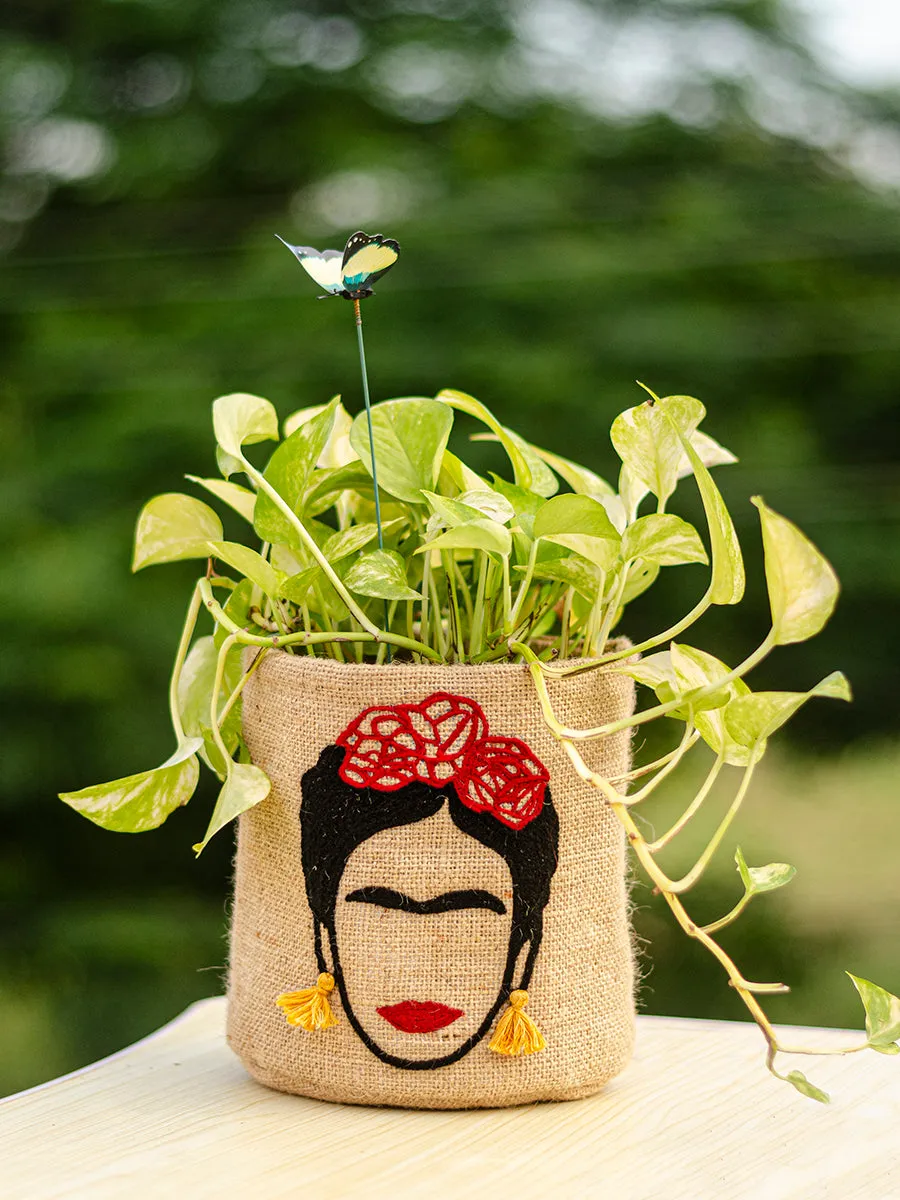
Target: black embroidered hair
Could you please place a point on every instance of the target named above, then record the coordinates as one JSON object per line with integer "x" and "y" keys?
{"x": 335, "y": 818}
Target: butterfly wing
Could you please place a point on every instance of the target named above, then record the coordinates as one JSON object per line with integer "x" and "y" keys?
{"x": 366, "y": 259}
{"x": 322, "y": 266}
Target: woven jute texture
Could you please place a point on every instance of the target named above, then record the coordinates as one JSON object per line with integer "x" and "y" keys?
{"x": 581, "y": 991}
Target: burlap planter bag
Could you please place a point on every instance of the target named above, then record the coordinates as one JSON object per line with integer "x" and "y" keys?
{"x": 429, "y": 892}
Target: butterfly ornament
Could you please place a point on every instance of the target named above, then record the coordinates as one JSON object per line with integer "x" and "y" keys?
{"x": 349, "y": 273}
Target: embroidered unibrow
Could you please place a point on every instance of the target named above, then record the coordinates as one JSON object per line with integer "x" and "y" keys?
{"x": 446, "y": 902}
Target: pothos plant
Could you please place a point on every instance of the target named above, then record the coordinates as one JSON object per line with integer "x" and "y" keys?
{"x": 458, "y": 567}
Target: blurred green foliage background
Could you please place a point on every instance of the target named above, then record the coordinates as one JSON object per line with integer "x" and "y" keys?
{"x": 585, "y": 193}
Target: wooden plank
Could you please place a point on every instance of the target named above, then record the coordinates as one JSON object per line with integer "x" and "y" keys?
{"x": 694, "y": 1117}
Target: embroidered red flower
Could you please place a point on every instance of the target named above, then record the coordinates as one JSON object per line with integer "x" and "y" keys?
{"x": 390, "y": 746}
{"x": 442, "y": 740}
{"x": 503, "y": 777}
{"x": 381, "y": 750}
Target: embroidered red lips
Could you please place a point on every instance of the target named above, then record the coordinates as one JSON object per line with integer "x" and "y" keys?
{"x": 419, "y": 1016}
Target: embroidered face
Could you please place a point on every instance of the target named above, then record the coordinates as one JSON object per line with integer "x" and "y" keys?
{"x": 428, "y": 849}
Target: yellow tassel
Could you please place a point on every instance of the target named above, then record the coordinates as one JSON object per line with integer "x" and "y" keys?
{"x": 309, "y": 1008}
{"x": 516, "y": 1033}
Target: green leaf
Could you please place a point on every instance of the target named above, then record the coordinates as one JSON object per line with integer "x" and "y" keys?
{"x": 663, "y": 539}
{"x": 245, "y": 787}
{"x": 579, "y": 478}
{"x": 543, "y": 480}
{"x": 227, "y": 463}
{"x": 695, "y": 669}
{"x": 653, "y": 671}
{"x": 641, "y": 576}
{"x": 575, "y": 514}
{"x": 526, "y": 504}
{"x": 803, "y": 588}
{"x": 195, "y": 696}
{"x": 600, "y": 551}
{"x": 512, "y": 445}
{"x": 481, "y": 534}
{"x": 289, "y": 471}
{"x": 237, "y": 607}
{"x": 173, "y": 527}
{"x": 250, "y": 564}
{"x": 460, "y": 476}
{"x": 329, "y": 485}
{"x": 631, "y": 492}
{"x": 240, "y": 419}
{"x": 681, "y": 671}
{"x": 288, "y": 559}
{"x": 410, "y": 439}
{"x": 143, "y": 801}
{"x": 727, "y": 582}
{"x": 337, "y": 450}
{"x": 489, "y": 503}
{"x": 300, "y": 416}
{"x": 580, "y": 523}
{"x": 380, "y": 573}
{"x": 711, "y": 454}
{"x": 692, "y": 669}
{"x": 241, "y": 499}
{"x": 798, "y": 1080}
{"x": 345, "y": 542}
{"x": 755, "y": 717}
{"x": 882, "y": 1012}
{"x": 757, "y": 880}
{"x": 647, "y": 439}
{"x": 572, "y": 570}
{"x": 451, "y": 512}
{"x": 296, "y": 588}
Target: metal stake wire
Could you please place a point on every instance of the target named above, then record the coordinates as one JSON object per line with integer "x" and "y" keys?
{"x": 365, "y": 382}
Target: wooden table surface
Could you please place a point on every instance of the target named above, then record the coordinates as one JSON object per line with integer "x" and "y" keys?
{"x": 694, "y": 1117}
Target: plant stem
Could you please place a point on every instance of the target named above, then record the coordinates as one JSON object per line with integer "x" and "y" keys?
{"x": 692, "y": 809}
{"x": 524, "y": 586}
{"x": 277, "y": 641}
{"x": 190, "y": 623}
{"x": 476, "y": 631}
{"x": 613, "y": 607}
{"x": 235, "y": 695}
{"x": 507, "y": 596}
{"x": 565, "y": 622}
{"x": 453, "y": 606}
{"x": 410, "y": 627}
{"x": 357, "y": 648}
{"x": 437, "y": 619}
{"x": 660, "y": 710}
{"x": 664, "y": 885}
{"x": 304, "y": 613}
{"x": 733, "y": 915}
{"x": 464, "y": 589}
{"x": 650, "y": 644}
{"x": 687, "y": 881}
{"x": 383, "y": 647}
{"x": 426, "y": 584}
{"x": 654, "y": 766}
{"x": 214, "y": 702}
{"x": 665, "y": 770}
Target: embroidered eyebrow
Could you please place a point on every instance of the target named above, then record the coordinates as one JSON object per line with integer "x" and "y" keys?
{"x": 446, "y": 902}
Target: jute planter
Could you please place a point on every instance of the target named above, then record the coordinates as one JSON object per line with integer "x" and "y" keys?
{"x": 426, "y": 870}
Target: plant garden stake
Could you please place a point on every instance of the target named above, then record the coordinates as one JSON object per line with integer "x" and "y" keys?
{"x": 364, "y": 260}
